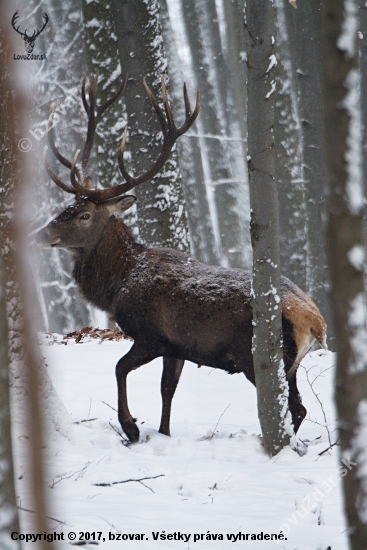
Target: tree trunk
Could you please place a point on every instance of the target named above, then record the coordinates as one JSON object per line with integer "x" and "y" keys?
{"x": 289, "y": 161}
{"x": 271, "y": 386}
{"x": 57, "y": 78}
{"x": 102, "y": 56}
{"x": 162, "y": 217}
{"x": 202, "y": 240}
{"x": 304, "y": 28}
{"x": 346, "y": 252}
{"x": 220, "y": 160}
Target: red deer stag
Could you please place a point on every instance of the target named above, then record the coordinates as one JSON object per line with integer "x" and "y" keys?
{"x": 170, "y": 304}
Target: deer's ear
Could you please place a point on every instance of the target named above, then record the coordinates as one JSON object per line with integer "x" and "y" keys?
{"x": 116, "y": 206}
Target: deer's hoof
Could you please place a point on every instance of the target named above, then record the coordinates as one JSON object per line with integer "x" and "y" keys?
{"x": 131, "y": 430}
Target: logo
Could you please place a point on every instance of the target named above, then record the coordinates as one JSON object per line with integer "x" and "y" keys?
{"x": 29, "y": 41}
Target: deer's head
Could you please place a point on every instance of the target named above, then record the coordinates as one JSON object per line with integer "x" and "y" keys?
{"x": 29, "y": 41}
{"x": 81, "y": 224}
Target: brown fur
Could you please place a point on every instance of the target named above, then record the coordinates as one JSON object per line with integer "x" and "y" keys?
{"x": 174, "y": 306}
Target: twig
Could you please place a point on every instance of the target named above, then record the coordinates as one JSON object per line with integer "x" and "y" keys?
{"x": 125, "y": 441}
{"x": 140, "y": 480}
{"x": 48, "y": 517}
{"x": 216, "y": 426}
{"x": 109, "y": 406}
{"x": 320, "y": 402}
{"x": 330, "y": 446}
{"x": 81, "y": 472}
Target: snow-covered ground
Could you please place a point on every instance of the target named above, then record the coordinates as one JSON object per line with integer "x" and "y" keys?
{"x": 211, "y": 477}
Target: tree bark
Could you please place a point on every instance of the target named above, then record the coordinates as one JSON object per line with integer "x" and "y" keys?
{"x": 220, "y": 160}
{"x": 289, "y": 161}
{"x": 344, "y": 237}
{"x": 160, "y": 205}
{"x": 102, "y": 56}
{"x": 304, "y": 28}
{"x": 271, "y": 386}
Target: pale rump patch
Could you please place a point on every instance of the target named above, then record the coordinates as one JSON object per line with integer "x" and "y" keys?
{"x": 307, "y": 321}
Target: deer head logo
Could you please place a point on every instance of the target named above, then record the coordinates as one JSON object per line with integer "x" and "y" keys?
{"x": 28, "y": 40}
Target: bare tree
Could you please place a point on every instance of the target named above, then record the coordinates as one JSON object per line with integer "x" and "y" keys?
{"x": 344, "y": 237}
{"x": 267, "y": 317}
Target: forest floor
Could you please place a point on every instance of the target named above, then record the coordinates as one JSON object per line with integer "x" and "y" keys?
{"x": 210, "y": 478}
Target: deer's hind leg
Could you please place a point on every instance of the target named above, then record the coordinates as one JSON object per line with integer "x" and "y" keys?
{"x": 135, "y": 358}
{"x": 172, "y": 369}
{"x": 291, "y": 364}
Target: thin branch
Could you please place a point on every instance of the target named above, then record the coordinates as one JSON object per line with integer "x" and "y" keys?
{"x": 140, "y": 480}
{"x": 109, "y": 406}
{"x": 125, "y": 441}
{"x": 330, "y": 446}
{"x": 320, "y": 402}
{"x": 219, "y": 420}
{"x": 48, "y": 517}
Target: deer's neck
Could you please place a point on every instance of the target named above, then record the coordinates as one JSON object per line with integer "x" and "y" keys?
{"x": 101, "y": 271}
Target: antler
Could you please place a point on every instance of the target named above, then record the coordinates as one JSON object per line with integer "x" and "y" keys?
{"x": 94, "y": 116}
{"x": 38, "y": 32}
{"x": 13, "y": 20}
{"x": 169, "y": 130}
{"x": 170, "y": 134}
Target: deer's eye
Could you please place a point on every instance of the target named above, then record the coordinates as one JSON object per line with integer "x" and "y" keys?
{"x": 85, "y": 217}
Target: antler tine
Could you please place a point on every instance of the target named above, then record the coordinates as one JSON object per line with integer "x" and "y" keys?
{"x": 109, "y": 102}
{"x": 190, "y": 119}
{"x": 171, "y": 123}
{"x": 51, "y": 139}
{"x": 91, "y": 121}
{"x": 54, "y": 178}
{"x": 158, "y": 110}
{"x": 84, "y": 99}
{"x": 74, "y": 174}
{"x": 170, "y": 134}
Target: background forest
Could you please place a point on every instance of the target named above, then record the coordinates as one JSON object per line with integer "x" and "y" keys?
{"x": 200, "y": 202}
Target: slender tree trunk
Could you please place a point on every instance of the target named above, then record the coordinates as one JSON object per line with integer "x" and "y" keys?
{"x": 202, "y": 240}
{"x": 289, "y": 160}
{"x": 8, "y": 502}
{"x": 221, "y": 177}
{"x": 12, "y": 315}
{"x": 346, "y": 252}
{"x": 57, "y": 78}
{"x": 271, "y": 386}
{"x": 162, "y": 217}
{"x": 304, "y": 29}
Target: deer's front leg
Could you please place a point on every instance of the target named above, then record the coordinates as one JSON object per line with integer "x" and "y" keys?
{"x": 172, "y": 369}
{"x": 134, "y": 359}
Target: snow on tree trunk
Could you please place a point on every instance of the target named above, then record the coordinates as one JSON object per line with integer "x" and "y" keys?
{"x": 271, "y": 386}
{"x": 102, "y": 56}
{"x": 8, "y": 502}
{"x": 56, "y": 78}
{"x": 8, "y": 505}
{"x": 346, "y": 251}
{"x": 160, "y": 205}
{"x": 202, "y": 241}
{"x": 304, "y": 30}
{"x": 289, "y": 161}
{"x": 27, "y": 421}
{"x": 222, "y": 162}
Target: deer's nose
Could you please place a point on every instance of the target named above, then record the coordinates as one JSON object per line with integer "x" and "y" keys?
{"x": 44, "y": 239}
